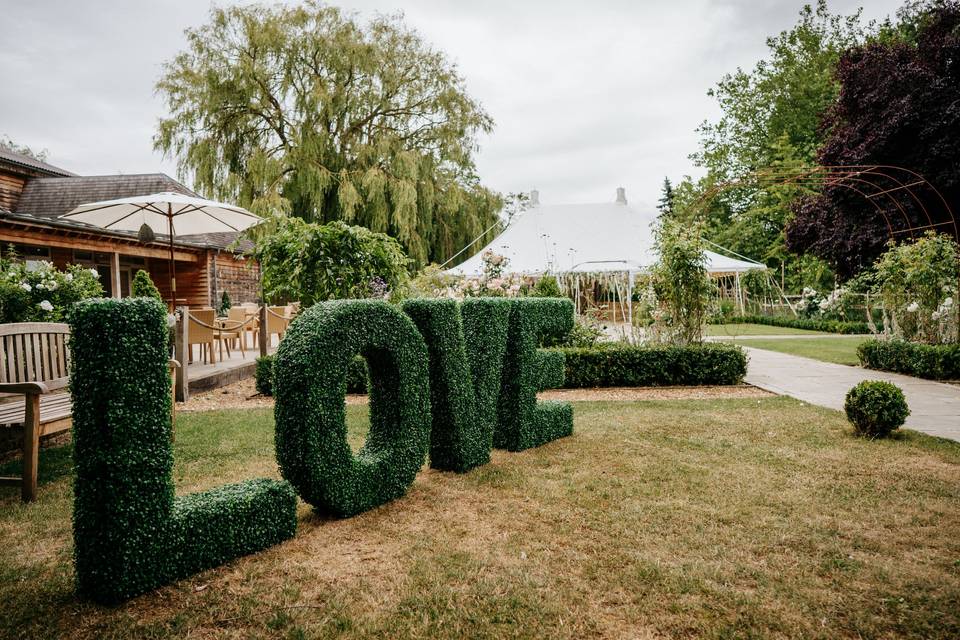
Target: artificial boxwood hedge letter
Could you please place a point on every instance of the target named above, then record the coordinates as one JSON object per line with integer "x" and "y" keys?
{"x": 522, "y": 421}
{"x": 464, "y": 375}
{"x": 130, "y": 533}
{"x": 310, "y": 383}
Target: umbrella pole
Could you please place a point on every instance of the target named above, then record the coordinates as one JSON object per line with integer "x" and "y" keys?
{"x": 173, "y": 266}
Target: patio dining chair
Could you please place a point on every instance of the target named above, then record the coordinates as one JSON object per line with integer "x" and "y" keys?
{"x": 201, "y": 331}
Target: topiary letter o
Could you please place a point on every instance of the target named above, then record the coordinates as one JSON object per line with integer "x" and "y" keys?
{"x": 310, "y": 382}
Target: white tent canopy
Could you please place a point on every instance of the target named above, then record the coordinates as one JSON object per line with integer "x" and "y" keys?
{"x": 584, "y": 238}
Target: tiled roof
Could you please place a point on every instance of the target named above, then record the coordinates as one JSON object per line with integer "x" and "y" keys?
{"x": 46, "y": 199}
{"x": 9, "y": 155}
{"x": 220, "y": 239}
{"x": 53, "y": 197}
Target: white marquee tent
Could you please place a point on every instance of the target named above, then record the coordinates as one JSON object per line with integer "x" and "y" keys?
{"x": 585, "y": 238}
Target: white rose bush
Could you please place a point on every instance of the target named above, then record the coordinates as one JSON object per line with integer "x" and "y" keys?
{"x": 41, "y": 292}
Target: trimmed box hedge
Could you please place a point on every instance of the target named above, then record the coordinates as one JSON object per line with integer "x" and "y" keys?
{"x": 131, "y": 534}
{"x": 636, "y": 366}
{"x": 464, "y": 375}
{"x": 934, "y": 362}
{"x": 356, "y": 375}
{"x": 310, "y": 381}
{"x": 522, "y": 421}
{"x": 810, "y": 324}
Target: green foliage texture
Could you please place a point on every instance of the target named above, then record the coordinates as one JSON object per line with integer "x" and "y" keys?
{"x": 811, "y": 324}
{"x": 131, "y": 534}
{"x": 876, "y": 408}
{"x": 466, "y": 343}
{"x": 673, "y": 365}
{"x": 356, "y": 375}
{"x": 312, "y": 262}
{"x": 522, "y": 421}
{"x": 310, "y": 380}
{"x": 143, "y": 286}
{"x": 305, "y": 109}
{"x": 43, "y": 293}
{"x": 933, "y": 362}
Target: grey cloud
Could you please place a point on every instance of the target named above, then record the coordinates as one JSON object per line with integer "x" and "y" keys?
{"x": 587, "y": 96}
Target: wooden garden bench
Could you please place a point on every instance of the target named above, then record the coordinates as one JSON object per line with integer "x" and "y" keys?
{"x": 34, "y": 363}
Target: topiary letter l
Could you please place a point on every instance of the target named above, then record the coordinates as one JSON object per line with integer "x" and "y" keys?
{"x": 130, "y": 533}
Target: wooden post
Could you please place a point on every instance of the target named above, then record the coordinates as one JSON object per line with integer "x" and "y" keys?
{"x": 181, "y": 354}
{"x": 264, "y": 336}
{"x": 31, "y": 446}
{"x": 115, "y": 274}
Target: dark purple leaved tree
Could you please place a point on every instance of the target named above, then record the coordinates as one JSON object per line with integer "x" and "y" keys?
{"x": 899, "y": 105}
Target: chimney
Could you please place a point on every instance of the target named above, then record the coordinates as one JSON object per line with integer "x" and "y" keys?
{"x": 534, "y": 198}
{"x": 621, "y": 195}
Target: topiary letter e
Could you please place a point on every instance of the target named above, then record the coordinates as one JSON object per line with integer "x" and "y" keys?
{"x": 310, "y": 382}
{"x": 130, "y": 533}
{"x": 523, "y": 422}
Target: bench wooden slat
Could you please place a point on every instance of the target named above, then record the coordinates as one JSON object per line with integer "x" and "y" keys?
{"x": 52, "y": 407}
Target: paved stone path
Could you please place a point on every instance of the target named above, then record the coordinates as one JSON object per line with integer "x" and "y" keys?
{"x": 934, "y": 406}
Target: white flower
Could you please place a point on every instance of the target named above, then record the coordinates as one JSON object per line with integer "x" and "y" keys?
{"x": 912, "y": 307}
{"x": 94, "y": 273}
{"x": 40, "y": 286}
{"x": 68, "y": 277}
{"x": 26, "y": 286}
{"x": 45, "y": 305}
{"x": 52, "y": 285}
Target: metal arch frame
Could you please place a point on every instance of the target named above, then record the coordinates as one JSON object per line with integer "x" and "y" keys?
{"x": 841, "y": 176}
{"x": 845, "y": 176}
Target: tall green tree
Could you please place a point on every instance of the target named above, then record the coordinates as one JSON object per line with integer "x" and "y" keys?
{"x": 770, "y": 120}
{"x": 665, "y": 203}
{"x": 305, "y": 110}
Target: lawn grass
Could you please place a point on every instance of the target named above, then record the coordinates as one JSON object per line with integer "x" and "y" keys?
{"x": 836, "y": 349}
{"x": 747, "y": 329}
{"x": 716, "y": 519}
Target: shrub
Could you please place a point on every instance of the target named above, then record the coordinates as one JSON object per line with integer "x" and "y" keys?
{"x": 546, "y": 287}
{"x": 522, "y": 421}
{"x": 356, "y": 375}
{"x": 310, "y": 380}
{"x": 466, "y": 343}
{"x": 934, "y": 362}
{"x": 632, "y": 366}
{"x": 225, "y": 303}
{"x": 263, "y": 375}
{"x": 130, "y": 533}
{"x": 586, "y": 332}
{"x": 143, "y": 286}
{"x": 43, "y": 293}
{"x": 811, "y": 324}
{"x": 876, "y": 408}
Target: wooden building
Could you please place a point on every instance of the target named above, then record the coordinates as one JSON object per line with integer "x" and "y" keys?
{"x": 34, "y": 194}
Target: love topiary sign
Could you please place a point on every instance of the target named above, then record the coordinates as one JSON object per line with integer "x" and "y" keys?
{"x": 447, "y": 379}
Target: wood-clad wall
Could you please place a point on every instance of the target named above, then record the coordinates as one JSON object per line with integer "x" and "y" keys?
{"x": 10, "y": 189}
{"x": 193, "y": 280}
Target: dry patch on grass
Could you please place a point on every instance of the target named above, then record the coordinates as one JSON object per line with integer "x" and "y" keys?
{"x": 749, "y": 517}
{"x": 243, "y": 395}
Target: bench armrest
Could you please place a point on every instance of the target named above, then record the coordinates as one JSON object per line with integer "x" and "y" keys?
{"x": 27, "y": 388}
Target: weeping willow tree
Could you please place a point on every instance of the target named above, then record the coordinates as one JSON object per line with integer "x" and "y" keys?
{"x": 305, "y": 111}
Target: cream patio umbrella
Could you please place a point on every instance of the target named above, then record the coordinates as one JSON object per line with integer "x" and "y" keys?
{"x": 167, "y": 212}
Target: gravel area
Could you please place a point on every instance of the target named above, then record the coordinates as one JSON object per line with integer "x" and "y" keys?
{"x": 243, "y": 395}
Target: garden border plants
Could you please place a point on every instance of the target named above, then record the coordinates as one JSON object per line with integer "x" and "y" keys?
{"x": 933, "y": 362}
{"x": 846, "y": 327}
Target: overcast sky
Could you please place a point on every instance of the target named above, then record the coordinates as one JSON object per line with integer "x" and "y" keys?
{"x": 586, "y": 96}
